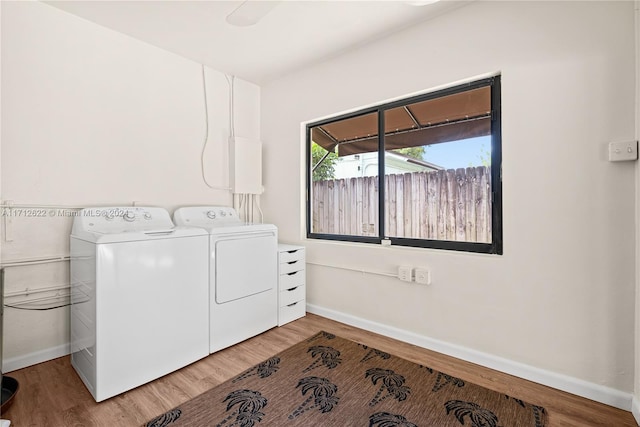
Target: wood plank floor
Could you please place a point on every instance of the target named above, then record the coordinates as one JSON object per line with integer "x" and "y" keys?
{"x": 51, "y": 393}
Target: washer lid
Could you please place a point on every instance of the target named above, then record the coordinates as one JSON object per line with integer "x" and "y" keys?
{"x": 126, "y": 224}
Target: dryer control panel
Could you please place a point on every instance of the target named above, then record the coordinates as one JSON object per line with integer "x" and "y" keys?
{"x": 206, "y": 215}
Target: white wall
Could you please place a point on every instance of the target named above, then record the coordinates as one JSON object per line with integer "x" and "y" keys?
{"x": 559, "y": 304}
{"x": 94, "y": 117}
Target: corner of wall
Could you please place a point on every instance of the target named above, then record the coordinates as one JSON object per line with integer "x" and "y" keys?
{"x": 635, "y": 406}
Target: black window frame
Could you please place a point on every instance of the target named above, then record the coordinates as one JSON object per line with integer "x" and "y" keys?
{"x": 496, "y": 245}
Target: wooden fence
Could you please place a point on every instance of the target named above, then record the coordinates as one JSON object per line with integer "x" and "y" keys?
{"x": 444, "y": 205}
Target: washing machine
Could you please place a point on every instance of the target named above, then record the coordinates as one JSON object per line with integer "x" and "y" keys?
{"x": 243, "y": 273}
{"x": 139, "y": 297}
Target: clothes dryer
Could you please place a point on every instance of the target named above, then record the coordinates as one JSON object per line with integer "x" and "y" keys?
{"x": 243, "y": 273}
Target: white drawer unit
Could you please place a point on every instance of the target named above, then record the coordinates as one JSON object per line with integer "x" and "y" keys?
{"x": 292, "y": 302}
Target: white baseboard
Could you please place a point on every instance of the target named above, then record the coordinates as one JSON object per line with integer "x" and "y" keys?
{"x": 34, "y": 358}
{"x": 599, "y": 393}
{"x": 635, "y": 409}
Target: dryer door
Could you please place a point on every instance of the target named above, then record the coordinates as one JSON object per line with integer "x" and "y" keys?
{"x": 245, "y": 264}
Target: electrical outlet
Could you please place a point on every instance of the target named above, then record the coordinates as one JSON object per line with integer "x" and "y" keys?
{"x": 423, "y": 276}
{"x": 623, "y": 151}
{"x": 405, "y": 273}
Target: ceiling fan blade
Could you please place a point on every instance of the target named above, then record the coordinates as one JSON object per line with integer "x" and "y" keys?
{"x": 250, "y": 12}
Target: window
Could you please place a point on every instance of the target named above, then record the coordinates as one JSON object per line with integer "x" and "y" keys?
{"x": 422, "y": 171}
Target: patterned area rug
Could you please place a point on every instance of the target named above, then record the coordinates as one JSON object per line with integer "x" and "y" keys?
{"x": 330, "y": 381}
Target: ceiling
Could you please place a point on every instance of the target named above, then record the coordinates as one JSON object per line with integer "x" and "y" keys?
{"x": 290, "y": 36}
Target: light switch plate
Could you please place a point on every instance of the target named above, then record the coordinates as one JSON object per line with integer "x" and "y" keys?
{"x": 623, "y": 151}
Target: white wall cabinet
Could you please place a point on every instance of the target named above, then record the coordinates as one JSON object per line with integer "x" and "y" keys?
{"x": 292, "y": 283}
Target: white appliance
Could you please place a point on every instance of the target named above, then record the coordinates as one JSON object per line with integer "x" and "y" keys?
{"x": 139, "y": 306}
{"x": 243, "y": 273}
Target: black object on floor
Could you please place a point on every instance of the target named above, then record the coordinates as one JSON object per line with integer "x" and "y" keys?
{"x": 10, "y": 387}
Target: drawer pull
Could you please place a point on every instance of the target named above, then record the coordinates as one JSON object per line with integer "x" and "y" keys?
{"x": 292, "y": 304}
{"x": 292, "y": 289}
{"x": 292, "y": 262}
{"x": 295, "y": 272}
{"x": 293, "y": 251}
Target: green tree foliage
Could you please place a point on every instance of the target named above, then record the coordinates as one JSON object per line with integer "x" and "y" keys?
{"x": 484, "y": 158}
{"x": 324, "y": 170}
{"x": 415, "y": 152}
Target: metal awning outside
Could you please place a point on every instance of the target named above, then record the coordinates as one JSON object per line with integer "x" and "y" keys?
{"x": 448, "y": 118}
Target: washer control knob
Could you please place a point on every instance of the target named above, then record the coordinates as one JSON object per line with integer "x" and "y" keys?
{"x": 211, "y": 215}
{"x": 129, "y": 216}
{"x": 223, "y": 213}
{"x": 147, "y": 215}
